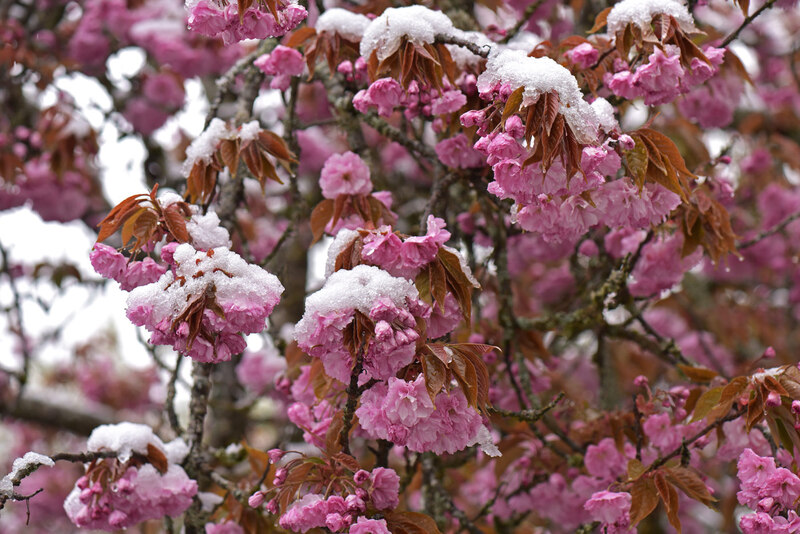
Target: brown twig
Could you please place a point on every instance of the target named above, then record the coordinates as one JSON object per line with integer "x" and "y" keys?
{"x": 746, "y": 22}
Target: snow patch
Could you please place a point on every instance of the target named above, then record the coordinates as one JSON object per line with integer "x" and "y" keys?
{"x": 641, "y": 12}
{"x": 418, "y": 24}
{"x": 346, "y": 24}
{"x": 540, "y": 76}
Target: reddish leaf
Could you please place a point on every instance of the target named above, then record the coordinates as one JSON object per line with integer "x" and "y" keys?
{"x": 435, "y": 373}
{"x": 229, "y": 154}
{"x": 410, "y": 523}
{"x": 176, "y": 224}
{"x": 300, "y": 36}
{"x": 512, "y": 104}
{"x": 644, "y": 499}
{"x": 320, "y": 217}
{"x": 157, "y": 458}
{"x": 600, "y": 20}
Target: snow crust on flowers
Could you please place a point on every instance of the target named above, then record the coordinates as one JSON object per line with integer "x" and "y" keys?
{"x": 204, "y": 146}
{"x": 604, "y": 112}
{"x": 30, "y": 459}
{"x": 540, "y": 76}
{"x": 355, "y": 289}
{"x": 138, "y": 495}
{"x": 391, "y": 303}
{"x": 246, "y": 293}
{"x": 416, "y": 23}
{"x": 128, "y": 438}
{"x": 641, "y": 12}
{"x": 344, "y": 23}
{"x": 343, "y": 238}
{"x": 206, "y": 232}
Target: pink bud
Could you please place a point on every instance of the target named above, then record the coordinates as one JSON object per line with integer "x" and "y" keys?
{"x": 275, "y": 455}
{"x": 773, "y": 399}
{"x": 641, "y": 381}
{"x": 769, "y": 353}
{"x": 256, "y": 499}
{"x": 627, "y": 142}
{"x": 280, "y": 477}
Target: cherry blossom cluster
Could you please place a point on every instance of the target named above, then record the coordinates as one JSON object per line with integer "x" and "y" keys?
{"x": 142, "y": 481}
{"x": 225, "y": 19}
{"x": 203, "y": 306}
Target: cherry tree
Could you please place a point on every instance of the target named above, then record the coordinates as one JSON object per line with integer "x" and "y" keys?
{"x": 493, "y": 267}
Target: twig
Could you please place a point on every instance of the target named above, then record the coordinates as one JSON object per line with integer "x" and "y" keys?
{"x": 440, "y": 187}
{"x": 55, "y": 415}
{"x": 708, "y": 428}
{"x": 20, "y": 328}
{"x": 226, "y": 81}
{"x": 530, "y": 416}
{"x": 746, "y": 22}
{"x": 476, "y": 49}
{"x": 82, "y": 457}
{"x": 170, "y": 402}
{"x": 353, "y": 393}
{"x": 522, "y": 21}
{"x": 766, "y": 233}
{"x": 390, "y": 132}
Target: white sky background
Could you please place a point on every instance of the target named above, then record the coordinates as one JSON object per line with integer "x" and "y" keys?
{"x": 30, "y": 241}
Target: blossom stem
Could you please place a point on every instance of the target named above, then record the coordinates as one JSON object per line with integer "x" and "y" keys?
{"x": 746, "y": 22}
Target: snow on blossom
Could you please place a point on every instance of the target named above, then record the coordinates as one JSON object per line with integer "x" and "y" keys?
{"x": 540, "y": 76}
{"x": 416, "y": 23}
{"x": 391, "y": 303}
{"x": 231, "y": 296}
{"x": 116, "y": 493}
{"x": 126, "y": 438}
{"x": 345, "y": 174}
{"x": 641, "y": 13}
{"x": 206, "y": 231}
{"x": 349, "y": 25}
{"x": 205, "y": 144}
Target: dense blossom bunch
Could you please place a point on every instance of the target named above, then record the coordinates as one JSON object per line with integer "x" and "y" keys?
{"x": 204, "y": 305}
{"x": 122, "y": 491}
{"x": 389, "y": 305}
{"x": 234, "y": 22}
